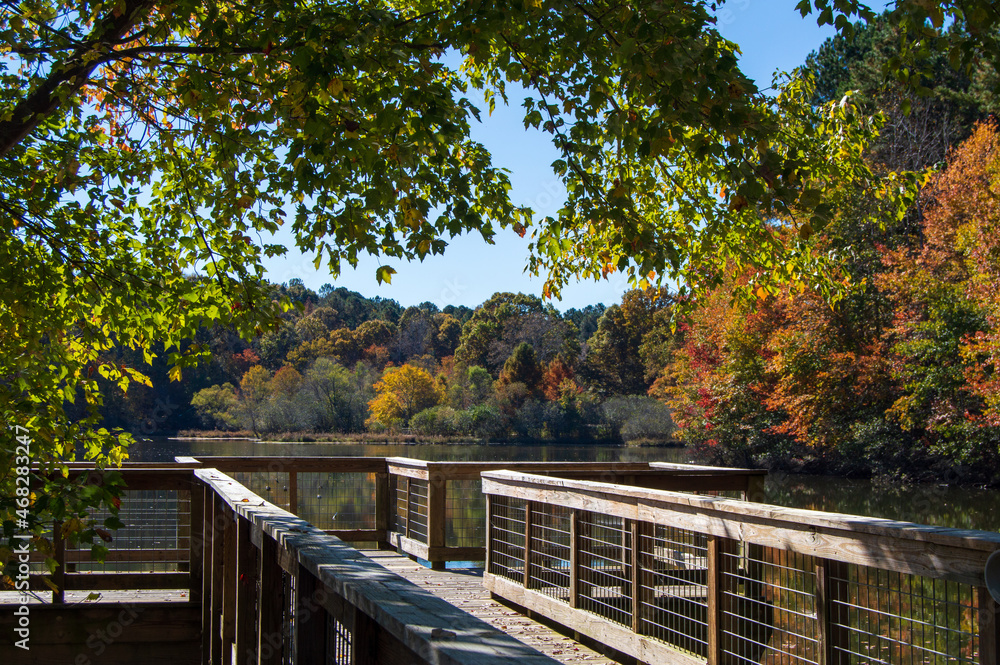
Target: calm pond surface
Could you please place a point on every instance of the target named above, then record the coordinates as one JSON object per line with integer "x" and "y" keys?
{"x": 940, "y": 505}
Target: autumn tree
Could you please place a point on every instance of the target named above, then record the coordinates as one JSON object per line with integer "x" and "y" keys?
{"x": 401, "y": 393}
{"x": 522, "y": 367}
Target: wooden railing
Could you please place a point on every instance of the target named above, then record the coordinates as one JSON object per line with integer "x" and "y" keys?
{"x": 277, "y": 590}
{"x": 667, "y": 577}
{"x": 433, "y": 511}
{"x": 152, "y": 550}
{"x": 439, "y": 510}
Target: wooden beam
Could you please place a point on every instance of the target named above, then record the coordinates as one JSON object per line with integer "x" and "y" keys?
{"x": 59, "y": 576}
{"x": 116, "y": 581}
{"x": 269, "y": 605}
{"x": 293, "y": 492}
{"x": 310, "y": 619}
{"x": 384, "y": 503}
{"x": 722, "y": 566}
{"x": 574, "y": 558}
{"x": 246, "y": 587}
{"x": 832, "y": 602}
{"x": 358, "y": 535}
{"x": 229, "y": 583}
{"x": 312, "y": 464}
{"x": 527, "y": 544}
{"x": 437, "y": 490}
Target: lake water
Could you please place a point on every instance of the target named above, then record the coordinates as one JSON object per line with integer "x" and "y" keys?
{"x": 939, "y": 505}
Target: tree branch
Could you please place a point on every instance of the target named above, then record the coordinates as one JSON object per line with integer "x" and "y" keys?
{"x": 67, "y": 78}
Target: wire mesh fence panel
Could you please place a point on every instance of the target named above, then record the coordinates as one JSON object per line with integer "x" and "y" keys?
{"x": 417, "y": 507}
{"x": 465, "y": 507}
{"x": 906, "y": 619}
{"x": 770, "y": 607}
{"x": 605, "y": 574}
{"x": 272, "y": 486}
{"x": 154, "y": 538}
{"x": 674, "y": 598}
{"x": 549, "y": 557}
{"x": 507, "y": 538}
{"x": 338, "y": 642}
{"x": 337, "y": 500}
{"x": 397, "y": 490}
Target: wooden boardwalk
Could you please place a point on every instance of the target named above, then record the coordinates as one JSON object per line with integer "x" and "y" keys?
{"x": 464, "y": 589}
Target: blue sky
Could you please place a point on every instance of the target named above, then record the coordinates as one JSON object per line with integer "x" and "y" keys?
{"x": 771, "y": 35}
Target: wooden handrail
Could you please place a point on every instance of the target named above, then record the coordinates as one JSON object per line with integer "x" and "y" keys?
{"x": 378, "y": 607}
{"x": 953, "y": 554}
{"x": 710, "y": 555}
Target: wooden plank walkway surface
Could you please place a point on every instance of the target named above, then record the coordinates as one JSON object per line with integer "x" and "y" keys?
{"x": 464, "y": 589}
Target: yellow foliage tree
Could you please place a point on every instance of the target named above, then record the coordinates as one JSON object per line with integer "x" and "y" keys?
{"x": 402, "y": 393}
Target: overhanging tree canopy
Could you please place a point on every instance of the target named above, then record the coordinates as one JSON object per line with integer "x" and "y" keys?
{"x": 146, "y": 147}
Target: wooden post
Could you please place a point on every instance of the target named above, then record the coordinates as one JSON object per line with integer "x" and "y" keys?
{"x": 270, "y": 605}
{"x": 207, "y": 551}
{"x": 642, "y": 594}
{"x": 832, "y": 596}
{"x": 989, "y": 627}
{"x": 722, "y": 564}
{"x": 246, "y": 577}
{"x": 384, "y": 504}
{"x": 196, "y": 539}
{"x": 310, "y": 620}
{"x": 219, "y": 529}
{"x": 574, "y": 558}
{"x": 293, "y": 492}
{"x": 527, "y": 543}
{"x": 437, "y": 494}
{"x": 755, "y": 489}
{"x": 489, "y": 533}
{"x": 364, "y": 640}
{"x": 229, "y": 583}
{"x": 59, "y": 553}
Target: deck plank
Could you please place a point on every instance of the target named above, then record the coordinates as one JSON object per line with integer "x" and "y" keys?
{"x": 464, "y": 589}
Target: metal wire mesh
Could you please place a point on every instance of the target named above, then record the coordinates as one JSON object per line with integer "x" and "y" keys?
{"x": 466, "y": 513}
{"x": 338, "y": 642}
{"x": 549, "y": 558}
{"x": 769, "y": 606}
{"x": 507, "y": 538}
{"x": 155, "y": 537}
{"x": 605, "y": 575}
{"x": 417, "y": 506}
{"x": 337, "y": 500}
{"x": 397, "y": 490}
{"x": 674, "y": 593}
{"x": 898, "y": 618}
{"x": 269, "y": 485}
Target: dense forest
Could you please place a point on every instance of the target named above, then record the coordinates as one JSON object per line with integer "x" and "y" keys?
{"x": 512, "y": 368}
